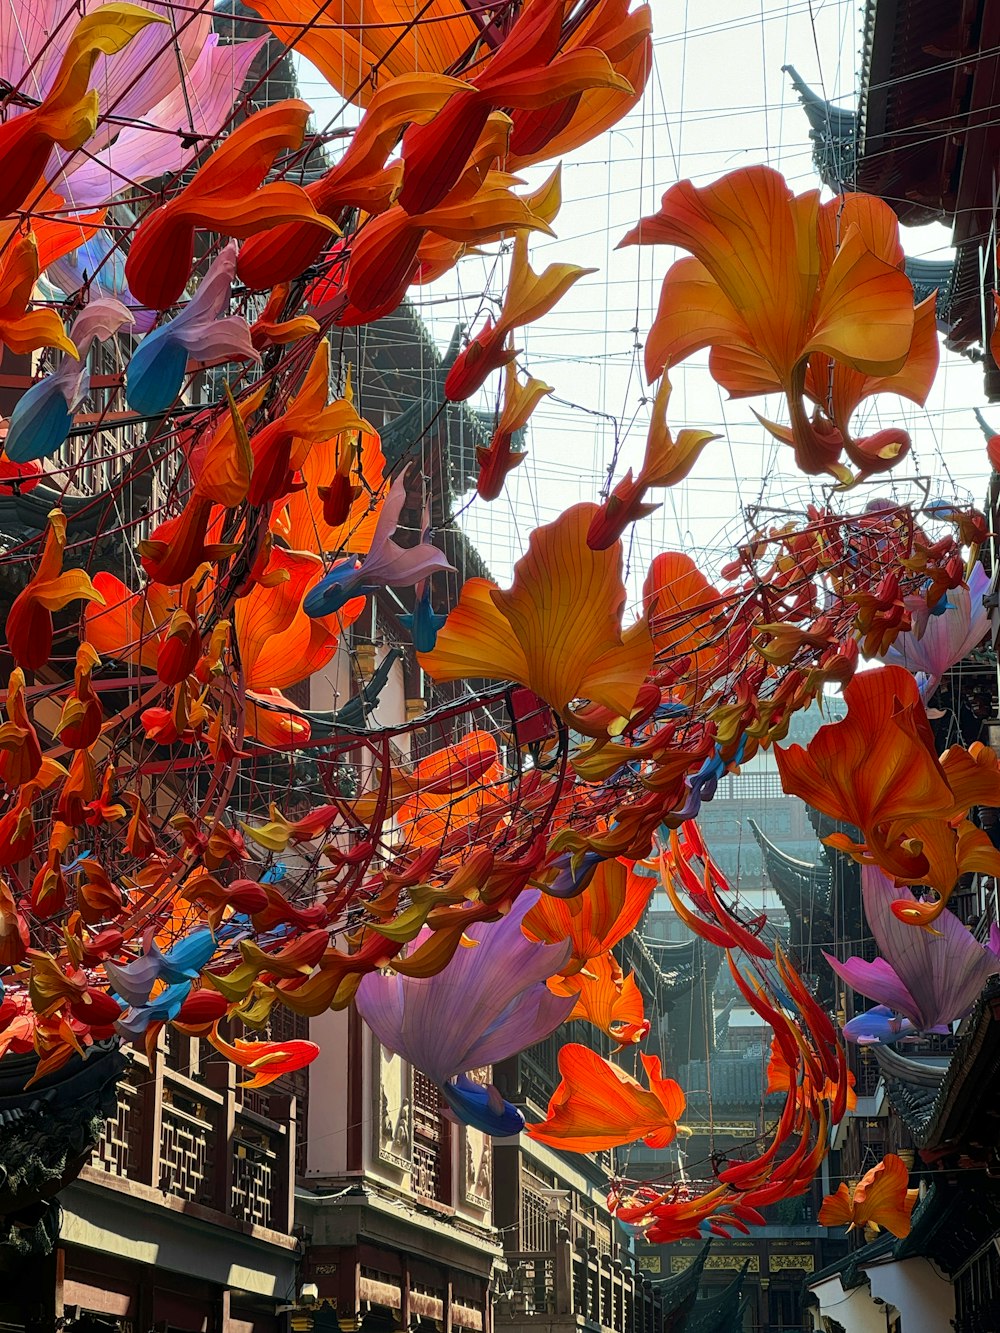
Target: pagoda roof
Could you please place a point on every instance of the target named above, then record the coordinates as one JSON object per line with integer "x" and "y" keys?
{"x": 959, "y": 1125}
{"x": 801, "y": 885}
{"x": 679, "y": 1292}
{"x": 47, "y": 1133}
{"x": 926, "y": 139}
{"x": 949, "y": 1224}
{"x": 912, "y": 1085}
{"x": 721, "y": 1313}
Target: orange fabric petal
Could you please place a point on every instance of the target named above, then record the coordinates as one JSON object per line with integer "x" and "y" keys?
{"x": 598, "y": 1106}
{"x": 68, "y": 113}
{"x": 608, "y": 909}
{"x": 865, "y": 312}
{"x": 279, "y": 644}
{"x": 878, "y": 763}
{"x": 881, "y": 1199}
{"x": 227, "y": 195}
{"x": 556, "y": 630}
{"x": 607, "y": 999}
{"x": 303, "y": 525}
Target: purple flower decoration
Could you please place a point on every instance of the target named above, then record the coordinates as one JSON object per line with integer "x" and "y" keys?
{"x": 931, "y": 648}
{"x": 929, "y": 980}
{"x": 201, "y": 333}
{"x": 43, "y": 416}
{"x": 488, "y": 1004}
{"x": 386, "y": 565}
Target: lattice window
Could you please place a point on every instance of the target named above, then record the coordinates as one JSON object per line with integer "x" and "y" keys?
{"x": 534, "y": 1221}
{"x": 255, "y": 1176}
{"x": 117, "y": 1150}
{"x": 186, "y": 1165}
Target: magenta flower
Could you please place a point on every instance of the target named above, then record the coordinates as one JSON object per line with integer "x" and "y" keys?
{"x": 930, "y": 980}
{"x": 931, "y": 648}
{"x": 489, "y": 1003}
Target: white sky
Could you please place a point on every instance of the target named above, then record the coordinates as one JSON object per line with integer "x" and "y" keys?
{"x": 717, "y": 99}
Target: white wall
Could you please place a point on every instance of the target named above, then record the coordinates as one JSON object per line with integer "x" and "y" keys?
{"x": 328, "y": 1101}
{"x": 854, "y": 1309}
{"x": 924, "y": 1299}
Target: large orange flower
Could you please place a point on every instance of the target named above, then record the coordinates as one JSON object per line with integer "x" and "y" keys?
{"x": 303, "y": 523}
{"x": 598, "y": 1105}
{"x": 596, "y": 919}
{"x": 607, "y": 998}
{"x": 876, "y": 765}
{"x": 764, "y": 291}
{"x": 279, "y": 644}
{"x": 880, "y": 1199}
{"x": 557, "y": 630}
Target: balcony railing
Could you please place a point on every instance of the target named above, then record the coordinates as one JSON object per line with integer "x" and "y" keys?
{"x": 574, "y": 1281}
{"x": 194, "y": 1140}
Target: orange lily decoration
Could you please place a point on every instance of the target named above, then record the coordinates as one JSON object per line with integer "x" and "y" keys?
{"x": 265, "y": 1060}
{"x": 306, "y": 523}
{"x": 180, "y": 544}
{"x": 270, "y": 328}
{"x": 98, "y": 899}
{"x": 24, "y": 330}
{"x": 281, "y": 727}
{"x": 67, "y": 115}
{"x": 529, "y": 296}
{"x": 751, "y": 238}
{"x": 877, "y": 769}
{"x": 127, "y": 625}
{"x": 609, "y": 1000}
{"x": 880, "y": 1199}
{"x": 359, "y": 180}
{"x": 14, "y": 937}
{"x": 564, "y": 594}
{"x": 226, "y": 195}
{"x": 520, "y": 400}
{"x": 686, "y": 616}
{"x": 598, "y": 1106}
{"x": 29, "y": 622}
{"x": 384, "y": 253}
{"x": 878, "y": 763}
{"x": 667, "y": 461}
{"x": 552, "y": 131}
{"x": 596, "y": 919}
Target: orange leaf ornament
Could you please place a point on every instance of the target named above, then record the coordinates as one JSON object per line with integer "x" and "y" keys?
{"x": 359, "y": 180}
{"x": 557, "y": 629}
{"x": 21, "y": 329}
{"x": 598, "y": 1106}
{"x": 881, "y": 1199}
{"x": 875, "y": 765}
{"x": 29, "y": 623}
{"x": 596, "y": 919}
{"x": 529, "y": 296}
{"x": 666, "y": 462}
{"x": 520, "y": 400}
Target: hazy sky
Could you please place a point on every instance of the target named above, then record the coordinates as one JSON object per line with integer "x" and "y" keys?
{"x": 717, "y": 99}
